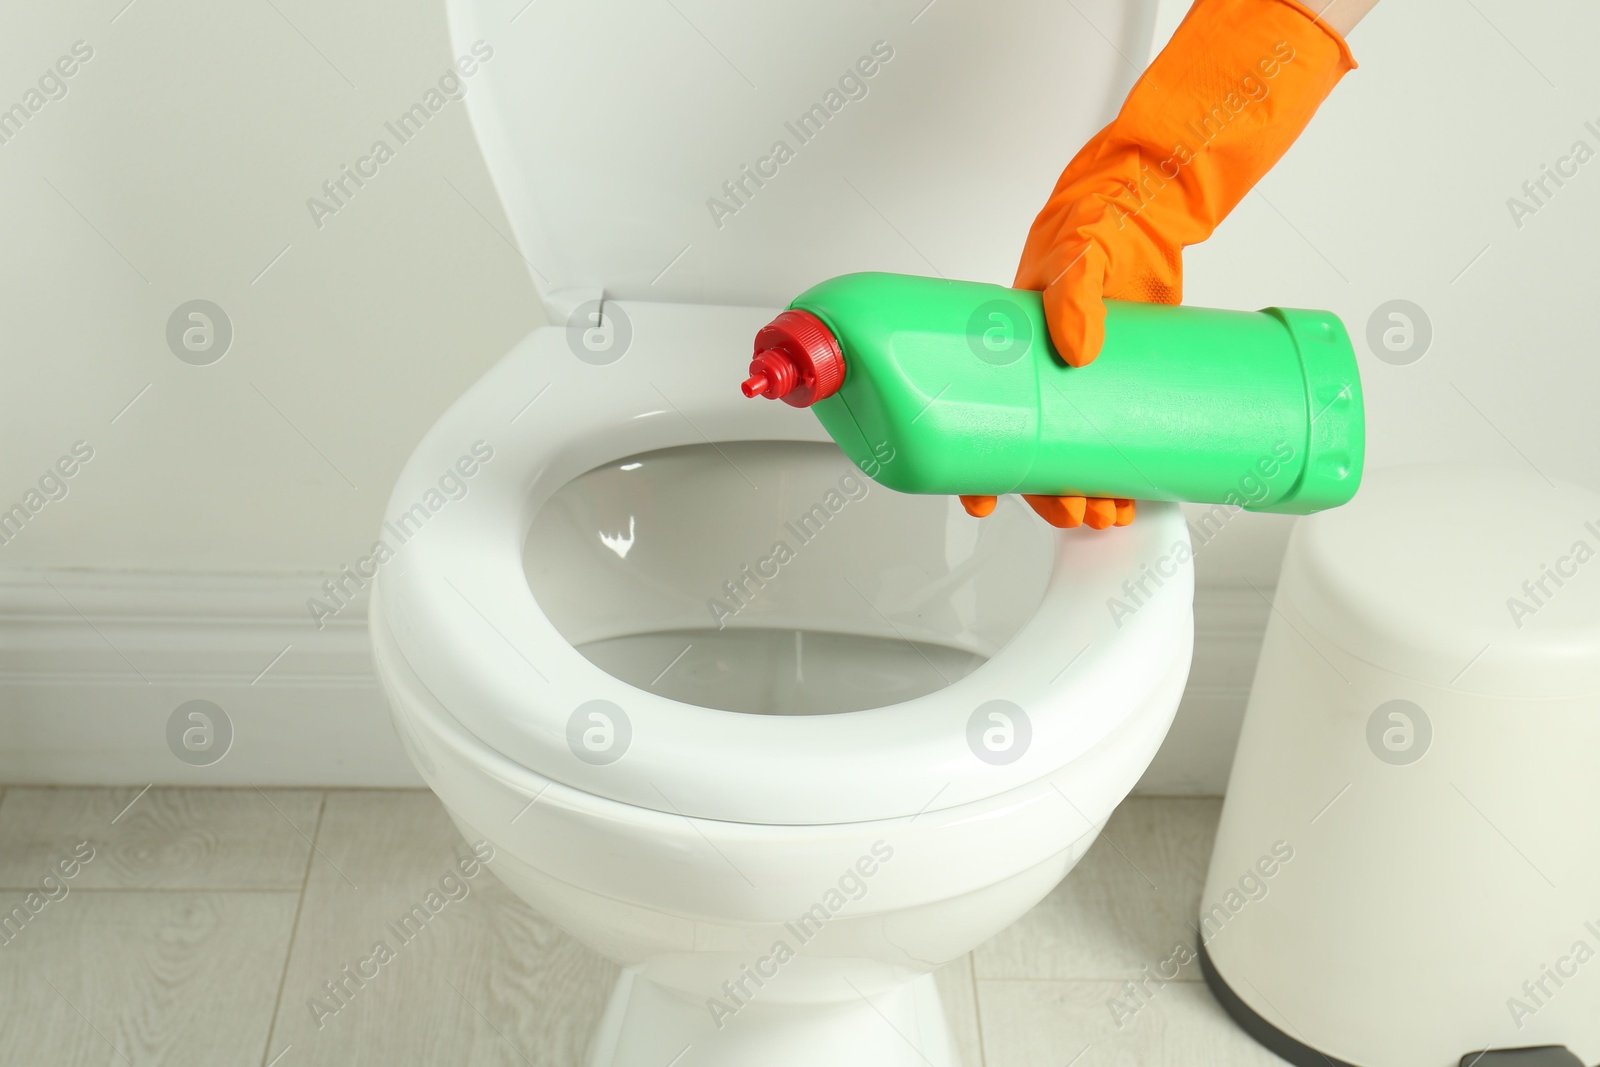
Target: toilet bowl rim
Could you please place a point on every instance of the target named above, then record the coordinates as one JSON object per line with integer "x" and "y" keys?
{"x": 420, "y": 709}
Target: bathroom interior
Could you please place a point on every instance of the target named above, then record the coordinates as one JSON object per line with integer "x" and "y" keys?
{"x": 414, "y": 649}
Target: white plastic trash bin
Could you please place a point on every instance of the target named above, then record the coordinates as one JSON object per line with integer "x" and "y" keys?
{"x": 1407, "y": 871}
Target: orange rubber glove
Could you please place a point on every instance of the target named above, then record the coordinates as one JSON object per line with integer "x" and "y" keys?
{"x": 1208, "y": 118}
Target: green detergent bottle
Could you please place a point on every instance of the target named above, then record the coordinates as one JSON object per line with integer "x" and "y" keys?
{"x": 934, "y": 386}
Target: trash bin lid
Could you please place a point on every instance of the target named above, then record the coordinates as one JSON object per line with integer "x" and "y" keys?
{"x": 1483, "y": 579}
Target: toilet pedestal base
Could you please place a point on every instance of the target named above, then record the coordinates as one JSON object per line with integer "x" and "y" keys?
{"x": 646, "y": 1025}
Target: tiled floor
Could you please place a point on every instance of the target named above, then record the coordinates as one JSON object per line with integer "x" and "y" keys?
{"x": 207, "y": 920}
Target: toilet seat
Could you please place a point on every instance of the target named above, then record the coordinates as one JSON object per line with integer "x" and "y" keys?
{"x": 455, "y": 603}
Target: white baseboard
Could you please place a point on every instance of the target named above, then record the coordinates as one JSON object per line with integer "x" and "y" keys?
{"x": 93, "y": 664}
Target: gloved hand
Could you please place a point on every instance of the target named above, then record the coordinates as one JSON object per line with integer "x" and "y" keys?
{"x": 1096, "y": 512}
{"x": 1209, "y": 117}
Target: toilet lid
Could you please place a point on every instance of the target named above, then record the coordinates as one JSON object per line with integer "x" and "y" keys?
{"x": 1486, "y": 579}
{"x": 454, "y": 607}
{"x": 738, "y": 153}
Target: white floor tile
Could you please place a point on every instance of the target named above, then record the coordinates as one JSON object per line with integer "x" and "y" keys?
{"x": 104, "y": 978}
{"x": 1028, "y": 1024}
{"x": 484, "y": 981}
{"x": 162, "y": 839}
{"x": 1127, "y": 905}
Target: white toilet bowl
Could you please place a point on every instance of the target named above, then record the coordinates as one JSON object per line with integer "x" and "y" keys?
{"x": 776, "y": 739}
{"x": 686, "y": 841}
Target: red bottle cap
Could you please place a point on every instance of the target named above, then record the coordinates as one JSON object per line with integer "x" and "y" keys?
{"x": 797, "y": 360}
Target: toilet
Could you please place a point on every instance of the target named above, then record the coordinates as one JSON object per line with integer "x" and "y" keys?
{"x": 778, "y": 741}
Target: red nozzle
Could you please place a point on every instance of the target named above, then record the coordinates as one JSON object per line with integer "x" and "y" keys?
{"x": 797, "y": 360}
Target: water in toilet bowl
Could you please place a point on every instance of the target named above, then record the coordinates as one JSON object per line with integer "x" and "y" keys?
{"x": 781, "y": 672}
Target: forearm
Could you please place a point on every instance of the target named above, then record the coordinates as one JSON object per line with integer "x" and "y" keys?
{"x": 1342, "y": 15}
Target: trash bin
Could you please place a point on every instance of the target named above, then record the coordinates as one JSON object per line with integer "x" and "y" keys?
{"x": 1407, "y": 870}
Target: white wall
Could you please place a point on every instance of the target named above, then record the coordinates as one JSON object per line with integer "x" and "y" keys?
{"x": 178, "y": 166}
